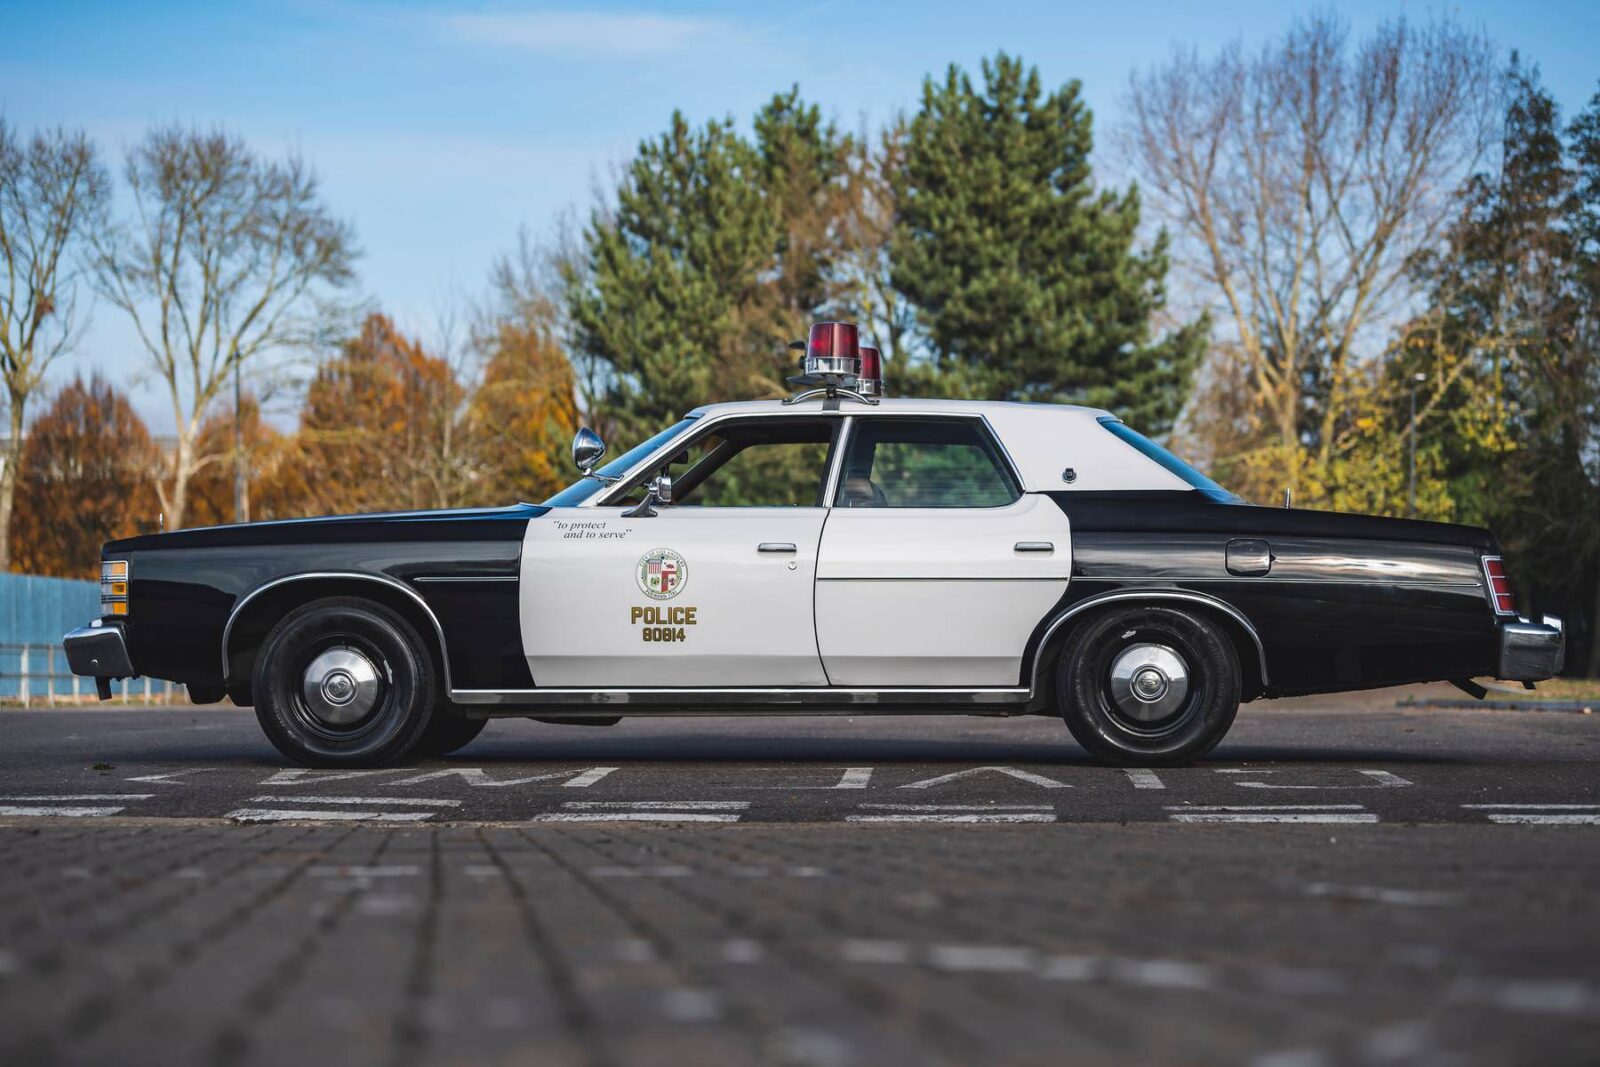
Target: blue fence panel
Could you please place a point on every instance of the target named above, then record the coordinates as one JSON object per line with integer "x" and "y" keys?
{"x": 37, "y": 611}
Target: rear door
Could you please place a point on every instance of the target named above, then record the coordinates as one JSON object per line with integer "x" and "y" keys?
{"x": 934, "y": 566}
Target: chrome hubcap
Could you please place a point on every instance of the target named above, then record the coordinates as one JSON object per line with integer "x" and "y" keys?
{"x": 1148, "y": 682}
{"x": 340, "y": 686}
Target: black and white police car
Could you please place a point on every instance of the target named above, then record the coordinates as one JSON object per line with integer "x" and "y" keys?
{"x": 836, "y": 552}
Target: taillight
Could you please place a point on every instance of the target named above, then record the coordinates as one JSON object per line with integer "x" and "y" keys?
{"x": 1500, "y": 594}
{"x": 114, "y": 587}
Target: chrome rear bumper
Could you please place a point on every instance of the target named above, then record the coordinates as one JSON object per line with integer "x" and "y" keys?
{"x": 1532, "y": 651}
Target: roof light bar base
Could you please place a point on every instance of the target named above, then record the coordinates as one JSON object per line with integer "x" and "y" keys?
{"x": 831, "y": 386}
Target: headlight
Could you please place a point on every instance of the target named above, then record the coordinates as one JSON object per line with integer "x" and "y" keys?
{"x": 114, "y": 587}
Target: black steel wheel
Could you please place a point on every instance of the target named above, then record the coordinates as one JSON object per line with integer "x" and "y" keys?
{"x": 1148, "y": 686}
{"x": 344, "y": 682}
{"x": 447, "y": 732}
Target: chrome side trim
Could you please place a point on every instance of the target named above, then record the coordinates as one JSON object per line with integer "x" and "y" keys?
{"x": 465, "y": 578}
{"x": 1106, "y": 598}
{"x": 227, "y": 631}
{"x": 776, "y": 696}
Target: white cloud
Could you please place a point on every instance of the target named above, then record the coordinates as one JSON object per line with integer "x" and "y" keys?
{"x": 585, "y": 34}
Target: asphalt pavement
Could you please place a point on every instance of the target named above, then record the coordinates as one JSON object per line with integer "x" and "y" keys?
{"x": 1343, "y": 881}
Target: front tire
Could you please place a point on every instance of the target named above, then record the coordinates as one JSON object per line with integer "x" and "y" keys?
{"x": 344, "y": 682}
{"x": 1148, "y": 686}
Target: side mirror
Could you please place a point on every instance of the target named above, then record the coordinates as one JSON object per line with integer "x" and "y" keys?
{"x": 587, "y": 449}
{"x": 660, "y": 492}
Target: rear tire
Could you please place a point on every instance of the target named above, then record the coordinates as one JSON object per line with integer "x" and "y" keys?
{"x": 344, "y": 682}
{"x": 1148, "y": 686}
{"x": 446, "y": 733}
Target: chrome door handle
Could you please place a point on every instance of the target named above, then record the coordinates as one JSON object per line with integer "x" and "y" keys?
{"x": 1035, "y": 546}
{"x": 776, "y": 546}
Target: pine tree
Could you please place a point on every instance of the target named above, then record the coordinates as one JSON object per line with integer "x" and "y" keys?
{"x": 669, "y": 275}
{"x": 1025, "y": 277}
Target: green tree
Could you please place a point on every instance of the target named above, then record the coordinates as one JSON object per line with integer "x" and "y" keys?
{"x": 659, "y": 304}
{"x": 1026, "y": 277}
{"x": 1507, "y": 345}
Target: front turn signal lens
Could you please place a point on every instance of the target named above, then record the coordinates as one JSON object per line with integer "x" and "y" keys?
{"x": 119, "y": 607}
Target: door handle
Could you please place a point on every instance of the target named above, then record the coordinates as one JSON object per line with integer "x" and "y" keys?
{"x": 776, "y": 546}
{"x": 1035, "y": 546}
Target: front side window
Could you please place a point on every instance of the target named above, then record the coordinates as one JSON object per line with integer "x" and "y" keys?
{"x": 917, "y": 463}
{"x": 765, "y": 462}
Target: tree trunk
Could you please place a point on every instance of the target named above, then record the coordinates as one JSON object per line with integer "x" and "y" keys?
{"x": 8, "y": 482}
{"x": 182, "y": 471}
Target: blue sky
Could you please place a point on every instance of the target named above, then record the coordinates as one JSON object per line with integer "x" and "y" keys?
{"x": 439, "y": 129}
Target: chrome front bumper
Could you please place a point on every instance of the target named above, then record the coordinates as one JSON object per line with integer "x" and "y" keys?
{"x": 98, "y": 651}
{"x": 1532, "y": 651}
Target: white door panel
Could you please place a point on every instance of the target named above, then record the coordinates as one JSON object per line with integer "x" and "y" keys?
{"x": 937, "y": 596}
{"x": 585, "y": 617}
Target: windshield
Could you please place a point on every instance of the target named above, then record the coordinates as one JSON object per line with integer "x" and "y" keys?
{"x": 584, "y": 488}
{"x": 1167, "y": 460}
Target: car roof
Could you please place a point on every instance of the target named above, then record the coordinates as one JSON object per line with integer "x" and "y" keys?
{"x": 899, "y": 405}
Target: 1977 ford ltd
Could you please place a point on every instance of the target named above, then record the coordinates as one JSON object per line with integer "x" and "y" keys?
{"x": 836, "y": 552}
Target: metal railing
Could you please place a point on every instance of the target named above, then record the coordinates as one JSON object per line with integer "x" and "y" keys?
{"x": 38, "y": 676}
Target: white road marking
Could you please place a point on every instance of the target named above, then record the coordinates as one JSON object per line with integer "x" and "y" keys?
{"x": 956, "y": 817}
{"x": 633, "y": 816}
{"x": 66, "y": 812}
{"x": 651, "y": 805}
{"x": 324, "y": 815}
{"x": 955, "y": 813}
{"x": 404, "y": 870}
{"x": 868, "y": 950}
{"x": 1539, "y": 814}
{"x": 665, "y": 870}
{"x": 971, "y": 772}
{"x": 1143, "y": 779}
{"x": 167, "y": 779}
{"x": 1415, "y": 898}
{"x": 960, "y": 807}
{"x": 475, "y": 777}
{"x": 420, "y": 802}
{"x": 589, "y": 777}
{"x": 646, "y": 811}
{"x": 1382, "y": 780}
{"x": 981, "y": 957}
{"x": 307, "y": 777}
{"x": 1162, "y": 974}
{"x": 854, "y": 778}
{"x": 85, "y": 796}
{"x": 1272, "y": 813}
{"x": 1533, "y": 807}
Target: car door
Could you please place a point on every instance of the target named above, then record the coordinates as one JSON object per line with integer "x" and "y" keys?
{"x": 714, "y": 590}
{"x": 934, "y": 567}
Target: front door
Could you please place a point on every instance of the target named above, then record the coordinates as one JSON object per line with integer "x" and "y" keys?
{"x": 935, "y": 567}
{"x": 712, "y": 591}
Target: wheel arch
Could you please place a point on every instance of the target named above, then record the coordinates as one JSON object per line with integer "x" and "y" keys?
{"x": 1246, "y": 640}
{"x": 255, "y": 613}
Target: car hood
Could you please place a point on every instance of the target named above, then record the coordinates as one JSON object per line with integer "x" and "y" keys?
{"x": 440, "y": 525}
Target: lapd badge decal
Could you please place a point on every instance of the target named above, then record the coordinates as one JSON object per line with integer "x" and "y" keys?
{"x": 662, "y": 573}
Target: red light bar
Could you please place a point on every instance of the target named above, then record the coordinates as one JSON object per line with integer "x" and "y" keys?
{"x": 1500, "y": 593}
{"x": 870, "y": 380}
{"x": 833, "y": 348}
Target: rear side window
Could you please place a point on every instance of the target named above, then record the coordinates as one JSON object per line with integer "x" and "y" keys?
{"x": 1171, "y": 463}
{"x": 915, "y": 463}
